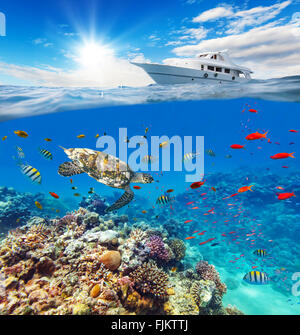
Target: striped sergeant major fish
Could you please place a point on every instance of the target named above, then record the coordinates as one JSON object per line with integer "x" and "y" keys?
{"x": 256, "y": 278}
{"x": 45, "y": 153}
{"x": 164, "y": 199}
{"x": 190, "y": 155}
{"x": 20, "y": 152}
{"x": 260, "y": 252}
{"x": 32, "y": 173}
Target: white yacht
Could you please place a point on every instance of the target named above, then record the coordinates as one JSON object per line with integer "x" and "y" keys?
{"x": 209, "y": 67}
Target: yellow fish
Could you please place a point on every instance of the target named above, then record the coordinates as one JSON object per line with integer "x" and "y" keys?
{"x": 174, "y": 269}
{"x": 81, "y": 136}
{"x": 38, "y": 205}
{"x": 21, "y": 133}
{"x": 4, "y": 138}
{"x": 163, "y": 144}
{"x": 97, "y": 136}
{"x": 48, "y": 139}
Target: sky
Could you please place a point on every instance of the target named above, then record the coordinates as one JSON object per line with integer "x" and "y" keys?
{"x": 90, "y": 43}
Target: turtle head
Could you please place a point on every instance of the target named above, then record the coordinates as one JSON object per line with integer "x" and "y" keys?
{"x": 68, "y": 152}
{"x": 143, "y": 178}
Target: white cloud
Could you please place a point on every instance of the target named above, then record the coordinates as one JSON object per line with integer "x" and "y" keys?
{"x": 214, "y": 14}
{"x": 112, "y": 73}
{"x": 39, "y": 41}
{"x": 270, "y": 50}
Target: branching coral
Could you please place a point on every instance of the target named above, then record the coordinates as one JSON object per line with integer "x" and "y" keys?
{"x": 178, "y": 248}
{"x": 157, "y": 248}
{"x": 208, "y": 272}
{"x": 150, "y": 280}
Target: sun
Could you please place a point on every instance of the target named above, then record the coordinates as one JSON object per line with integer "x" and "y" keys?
{"x": 93, "y": 53}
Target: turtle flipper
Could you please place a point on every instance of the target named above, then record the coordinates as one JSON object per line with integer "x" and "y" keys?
{"x": 69, "y": 169}
{"x": 124, "y": 200}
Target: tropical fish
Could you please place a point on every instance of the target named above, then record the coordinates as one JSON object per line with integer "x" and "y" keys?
{"x": 164, "y": 144}
{"x": 77, "y": 194}
{"x": 4, "y": 138}
{"x": 81, "y": 136}
{"x": 21, "y": 133}
{"x": 97, "y": 136}
{"x": 256, "y": 278}
{"x": 38, "y": 205}
{"x": 91, "y": 191}
{"x": 189, "y": 156}
{"x": 293, "y": 131}
{"x": 148, "y": 159}
{"x": 210, "y": 152}
{"x": 74, "y": 188}
{"x": 163, "y": 199}
{"x": 144, "y": 212}
{"x": 54, "y": 195}
{"x": 170, "y": 190}
{"x": 210, "y": 239}
{"x": 260, "y": 252}
{"x": 237, "y": 146}
{"x": 31, "y": 173}
{"x": 213, "y": 189}
{"x": 245, "y": 188}
{"x": 45, "y": 153}
{"x": 190, "y": 237}
{"x": 174, "y": 269}
{"x": 256, "y": 136}
{"x": 284, "y": 196}
{"x": 137, "y": 187}
{"x": 197, "y": 184}
{"x": 48, "y": 139}
{"x": 283, "y": 155}
{"x": 20, "y": 152}
{"x": 251, "y": 110}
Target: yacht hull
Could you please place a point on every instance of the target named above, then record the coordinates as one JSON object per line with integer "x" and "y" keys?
{"x": 167, "y": 74}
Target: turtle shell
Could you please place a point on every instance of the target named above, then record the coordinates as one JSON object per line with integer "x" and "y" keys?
{"x": 105, "y": 168}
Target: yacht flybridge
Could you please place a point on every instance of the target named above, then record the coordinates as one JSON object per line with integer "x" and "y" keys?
{"x": 209, "y": 67}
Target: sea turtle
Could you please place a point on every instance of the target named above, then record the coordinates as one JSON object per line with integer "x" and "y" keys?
{"x": 106, "y": 169}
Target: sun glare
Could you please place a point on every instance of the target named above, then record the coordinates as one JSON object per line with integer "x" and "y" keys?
{"x": 93, "y": 53}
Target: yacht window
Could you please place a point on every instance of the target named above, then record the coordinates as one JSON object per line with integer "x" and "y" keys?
{"x": 202, "y": 67}
{"x": 227, "y": 70}
{"x": 218, "y": 69}
{"x": 211, "y": 68}
{"x": 215, "y": 56}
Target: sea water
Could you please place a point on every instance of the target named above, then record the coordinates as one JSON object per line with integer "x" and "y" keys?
{"x": 218, "y": 113}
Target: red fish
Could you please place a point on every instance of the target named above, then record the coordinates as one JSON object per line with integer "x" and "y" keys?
{"x": 283, "y": 155}
{"x": 293, "y": 131}
{"x": 137, "y": 187}
{"x": 236, "y": 146}
{"x": 54, "y": 195}
{"x": 251, "y": 110}
{"x": 197, "y": 184}
{"x": 210, "y": 239}
{"x": 214, "y": 189}
{"x": 188, "y": 221}
{"x": 190, "y": 237}
{"x": 284, "y": 196}
{"x": 256, "y": 136}
{"x": 245, "y": 188}
{"x": 170, "y": 190}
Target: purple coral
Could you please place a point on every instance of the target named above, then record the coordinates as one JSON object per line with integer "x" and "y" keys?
{"x": 157, "y": 248}
{"x": 209, "y": 272}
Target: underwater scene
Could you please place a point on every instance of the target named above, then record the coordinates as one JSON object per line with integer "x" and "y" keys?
{"x": 143, "y": 171}
{"x": 225, "y": 244}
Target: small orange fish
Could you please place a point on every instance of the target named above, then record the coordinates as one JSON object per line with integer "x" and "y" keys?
{"x": 190, "y": 237}
{"x": 4, "y": 138}
{"x": 237, "y": 146}
{"x": 137, "y": 187}
{"x": 54, "y": 195}
{"x": 214, "y": 189}
{"x": 21, "y": 133}
{"x": 144, "y": 212}
{"x": 197, "y": 184}
{"x": 174, "y": 269}
{"x": 283, "y": 155}
{"x": 48, "y": 139}
{"x": 170, "y": 190}
{"x": 245, "y": 188}
{"x": 256, "y": 136}
{"x": 71, "y": 181}
{"x": 279, "y": 188}
{"x": 81, "y": 136}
